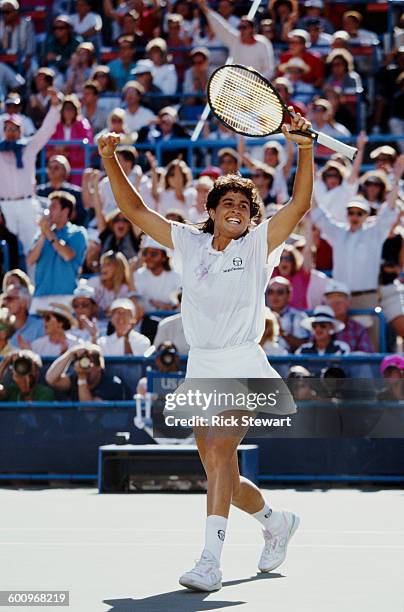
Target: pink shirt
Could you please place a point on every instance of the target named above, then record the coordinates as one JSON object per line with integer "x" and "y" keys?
{"x": 20, "y": 182}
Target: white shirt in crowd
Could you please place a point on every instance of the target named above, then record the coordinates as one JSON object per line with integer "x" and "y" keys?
{"x": 260, "y": 55}
{"x": 149, "y": 286}
{"x": 43, "y": 346}
{"x": 107, "y": 197}
{"x": 90, "y": 21}
{"x": 223, "y": 291}
{"x": 103, "y": 296}
{"x": 171, "y": 329}
{"x": 142, "y": 117}
{"x": 168, "y": 201}
{"x": 356, "y": 255}
{"x": 334, "y": 200}
{"x": 112, "y": 345}
{"x": 165, "y": 77}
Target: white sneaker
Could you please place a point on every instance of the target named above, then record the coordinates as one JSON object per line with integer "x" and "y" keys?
{"x": 276, "y": 543}
{"x": 206, "y": 575}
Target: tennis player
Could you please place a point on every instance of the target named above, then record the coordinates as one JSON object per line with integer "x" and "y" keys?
{"x": 225, "y": 269}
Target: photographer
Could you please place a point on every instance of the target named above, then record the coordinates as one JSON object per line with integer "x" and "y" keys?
{"x": 25, "y": 367}
{"x": 89, "y": 382}
{"x": 167, "y": 360}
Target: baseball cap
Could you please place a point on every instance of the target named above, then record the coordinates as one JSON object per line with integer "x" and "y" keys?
{"x": 12, "y": 98}
{"x": 15, "y": 119}
{"x": 384, "y": 150}
{"x": 301, "y": 34}
{"x": 150, "y": 243}
{"x": 359, "y": 203}
{"x": 323, "y": 103}
{"x": 395, "y": 361}
{"x": 124, "y": 303}
{"x": 142, "y": 67}
{"x": 84, "y": 290}
{"x": 334, "y": 286}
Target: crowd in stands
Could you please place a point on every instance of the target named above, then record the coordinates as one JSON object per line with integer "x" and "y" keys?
{"x": 81, "y": 283}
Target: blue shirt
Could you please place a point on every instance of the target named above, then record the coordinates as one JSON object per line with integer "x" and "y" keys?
{"x": 54, "y": 275}
{"x": 119, "y": 73}
{"x": 31, "y": 330}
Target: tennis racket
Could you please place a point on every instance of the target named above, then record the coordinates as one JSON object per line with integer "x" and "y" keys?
{"x": 247, "y": 103}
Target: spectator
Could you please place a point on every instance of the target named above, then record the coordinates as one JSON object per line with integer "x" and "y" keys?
{"x": 61, "y": 44}
{"x": 85, "y": 309}
{"x": 9, "y": 80}
{"x": 114, "y": 281}
{"x": 58, "y": 172}
{"x": 176, "y": 43}
{"x": 155, "y": 283}
{"x": 396, "y": 121}
{"x": 307, "y": 283}
{"x": 354, "y": 334}
{"x": 314, "y": 10}
{"x": 58, "y": 252}
{"x": 116, "y": 123}
{"x": 274, "y": 156}
{"x": 263, "y": 177}
{"x": 295, "y": 70}
{"x": 17, "y": 34}
{"x": 25, "y": 366}
{"x": 143, "y": 73}
{"x": 384, "y": 158}
{"x": 81, "y": 65}
{"x": 17, "y": 167}
{"x": 125, "y": 340}
{"x": 89, "y": 381}
{"x": 72, "y": 126}
{"x": 167, "y": 127}
{"x": 196, "y": 77}
{"x": 27, "y": 328}
{"x": 39, "y": 101}
{"x": 323, "y": 120}
{"x": 198, "y": 213}
{"x": 286, "y": 89}
{"x": 284, "y": 14}
{"x": 57, "y": 320}
{"x": 85, "y": 23}
{"x": 351, "y": 21}
{"x": 392, "y": 370}
{"x": 270, "y": 337}
{"x": 299, "y": 384}
{"x": 335, "y": 184}
{"x": 12, "y": 245}
{"x": 298, "y": 43}
{"x": 319, "y": 41}
{"x": 342, "y": 73}
{"x": 373, "y": 187}
{"x": 19, "y": 279}
{"x": 324, "y": 326}
{"x": 167, "y": 360}
{"x": 190, "y": 18}
{"x": 131, "y": 27}
{"x": 278, "y": 296}
{"x": 136, "y": 115}
{"x": 341, "y": 112}
{"x": 229, "y": 160}
{"x": 242, "y": 43}
{"x": 13, "y": 107}
{"x": 225, "y": 9}
{"x": 121, "y": 67}
{"x": 117, "y": 234}
{"x": 176, "y": 192}
{"x": 207, "y": 38}
{"x": 108, "y": 97}
{"x": 387, "y": 88}
{"x": 164, "y": 73}
{"x": 91, "y": 109}
{"x": 7, "y": 329}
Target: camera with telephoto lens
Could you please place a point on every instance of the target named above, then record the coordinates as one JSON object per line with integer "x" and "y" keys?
{"x": 86, "y": 361}
{"x": 22, "y": 366}
{"x": 167, "y": 353}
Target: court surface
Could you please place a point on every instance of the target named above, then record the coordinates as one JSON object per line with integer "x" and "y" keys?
{"x": 125, "y": 552}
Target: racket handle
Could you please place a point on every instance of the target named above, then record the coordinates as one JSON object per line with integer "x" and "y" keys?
{"x": 336, "y": 145}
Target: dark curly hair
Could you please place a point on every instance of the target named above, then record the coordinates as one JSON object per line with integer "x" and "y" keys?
{"x": 224, "y": 184}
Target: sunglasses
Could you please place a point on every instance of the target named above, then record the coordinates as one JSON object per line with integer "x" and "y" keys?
{"x": 81, "y": 304}
{"x": 320, "y": 325}
{"x": 277, "y": 292}
{"x": 355, "y": 213}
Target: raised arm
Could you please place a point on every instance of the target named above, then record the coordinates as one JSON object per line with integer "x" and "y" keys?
{"x": 283, "y": 222}
{"x": 128, "y": 199}
{"x": 49, "y": 124}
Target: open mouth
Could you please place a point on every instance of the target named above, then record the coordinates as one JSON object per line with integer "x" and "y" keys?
{"x": 233, "y": 221}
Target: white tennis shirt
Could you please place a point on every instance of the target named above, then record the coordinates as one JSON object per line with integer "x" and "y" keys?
{"x": 223, "y": 291}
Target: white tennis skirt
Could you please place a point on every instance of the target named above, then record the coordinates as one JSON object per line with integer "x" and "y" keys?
{"x": 233, "y": 370}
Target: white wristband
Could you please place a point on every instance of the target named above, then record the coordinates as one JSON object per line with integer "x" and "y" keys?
{"x": 81, "y": 382}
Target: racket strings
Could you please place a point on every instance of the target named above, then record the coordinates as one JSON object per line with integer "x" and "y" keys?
{"x": 245, "y": 102}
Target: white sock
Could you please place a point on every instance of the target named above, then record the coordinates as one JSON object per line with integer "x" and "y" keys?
{"x": 269, "y": 519}
{"x": 215, "y": 534}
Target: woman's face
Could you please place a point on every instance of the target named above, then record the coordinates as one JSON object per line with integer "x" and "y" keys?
{"x": 338, "y": 67}
{"x": 232, "y": 214}
{"x": 117, "y": 125}
{"x": 51, "y": 324}
{"x": 102, "y": 80}
{"x": 286, "y": 263}
{"x": 173, "y": 175}
{"x": 271, "y": 157}
{"x": 372, "y": 191}
{"x": 69, "y": 114}
{"x": 156, "y": 56}
{"x": 108, "y": 269}
{"x": 120, "y": 227}
{"x": 332, "y": 179}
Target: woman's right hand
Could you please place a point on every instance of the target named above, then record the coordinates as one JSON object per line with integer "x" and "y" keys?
{"x": 107, "y": 144}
